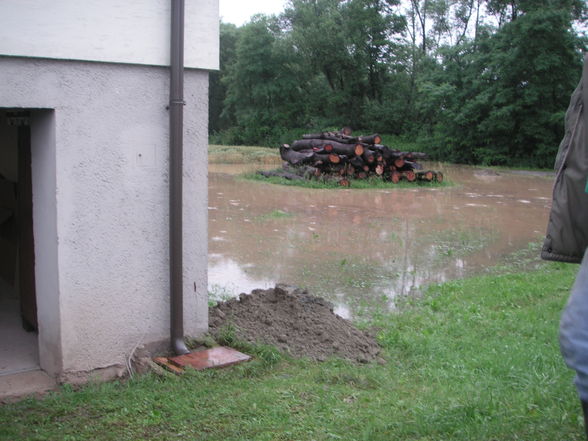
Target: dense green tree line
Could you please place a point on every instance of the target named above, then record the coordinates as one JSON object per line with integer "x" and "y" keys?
{"x": 473, "y": 81}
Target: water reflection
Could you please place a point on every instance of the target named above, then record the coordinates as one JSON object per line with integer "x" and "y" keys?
{"x": 362, "y": 248}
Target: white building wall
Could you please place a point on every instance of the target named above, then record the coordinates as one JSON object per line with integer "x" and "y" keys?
{"x": 130, "y": 31}
{"x": 111, "y": 289}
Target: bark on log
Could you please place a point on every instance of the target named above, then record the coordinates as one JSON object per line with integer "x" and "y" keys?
{"x": 321, "y": 150}
{"x": 295, "y": 158}
{"x": 321, "y": 159}
{"x": 412, "y": 164}
{"x": 302, "y": 144}
{"x": 357, "y": 162}
{"x": 426, "y": 176}
{"x": 370, "y": 139}
{"x": 346, "y": 149}
{"x": 409, "y": 165}
{"x": 322, "y": 145}
{"x": 416, "y": 155}
{"x": 330, "y": 136}
{"x": 344, "y": 138}
{"x": 368, "y": 157}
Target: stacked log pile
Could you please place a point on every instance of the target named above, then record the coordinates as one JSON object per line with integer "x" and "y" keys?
{"x": 340, "y": 157}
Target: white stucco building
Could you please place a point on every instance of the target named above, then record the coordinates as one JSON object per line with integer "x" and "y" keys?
{"x": 84, "y": 211}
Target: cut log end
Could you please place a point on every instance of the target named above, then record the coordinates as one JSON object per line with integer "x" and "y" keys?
{"x": 410, "y": 176}
{"x": 427, "y": 176}
{"x": 439, "y": 177}
{"x": 334, "y": 159}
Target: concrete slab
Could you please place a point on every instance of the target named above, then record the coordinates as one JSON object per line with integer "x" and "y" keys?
{"x": 19, "y": 386}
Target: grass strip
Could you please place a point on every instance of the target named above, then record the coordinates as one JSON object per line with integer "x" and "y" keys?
{"x": 225, "y": 154}
{"x": 357, "y": 184}
{"x": 475, "y": 359}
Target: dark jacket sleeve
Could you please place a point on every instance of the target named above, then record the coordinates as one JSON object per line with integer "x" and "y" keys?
{"x": 567, "y": 228}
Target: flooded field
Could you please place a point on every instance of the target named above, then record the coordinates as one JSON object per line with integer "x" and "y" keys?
{"x": 361, "y": 249}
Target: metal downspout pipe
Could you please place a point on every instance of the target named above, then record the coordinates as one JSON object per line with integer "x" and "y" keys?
{"x": 176, "y": 125}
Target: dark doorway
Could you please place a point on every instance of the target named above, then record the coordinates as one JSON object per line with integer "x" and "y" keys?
{"x": 18, "y": 302}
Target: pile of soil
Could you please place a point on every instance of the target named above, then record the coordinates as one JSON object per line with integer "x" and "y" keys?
{"x": 295, "y": 322}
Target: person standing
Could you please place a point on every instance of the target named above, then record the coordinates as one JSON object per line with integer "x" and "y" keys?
{"x": 566, "y": 239}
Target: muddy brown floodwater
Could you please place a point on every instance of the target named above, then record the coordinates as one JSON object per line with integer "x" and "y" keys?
{"x": 362, "y": 249}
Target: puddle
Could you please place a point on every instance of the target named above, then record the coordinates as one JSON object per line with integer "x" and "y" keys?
{"x": 362, "y": 249}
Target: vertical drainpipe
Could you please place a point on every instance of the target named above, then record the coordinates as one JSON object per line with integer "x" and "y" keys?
{"x": 176, "y": 125}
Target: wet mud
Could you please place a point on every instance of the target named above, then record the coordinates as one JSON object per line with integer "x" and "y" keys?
{"x": 363, "y": 249}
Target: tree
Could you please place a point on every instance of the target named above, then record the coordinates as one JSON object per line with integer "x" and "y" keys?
{"x": 217, "y": 88}
{"x": 264, "y": 83}
{"x": 511, "y": 96}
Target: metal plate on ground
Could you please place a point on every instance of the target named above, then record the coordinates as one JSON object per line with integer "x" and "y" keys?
{"x": 217, "y": 357}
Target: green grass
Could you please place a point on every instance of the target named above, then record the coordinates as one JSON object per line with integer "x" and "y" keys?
{"x": 223, "y": 154}
{"x": 358, "y": 184}
{"x": 475, "y": 359}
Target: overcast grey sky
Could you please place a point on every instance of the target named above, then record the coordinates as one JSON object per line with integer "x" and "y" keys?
{"x": 239, "y": 11}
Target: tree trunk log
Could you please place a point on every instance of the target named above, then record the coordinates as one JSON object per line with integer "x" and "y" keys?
{"x": 295, "y": 158}
{"x": 357, "y": 162}
{"x": 409, "y": 175}
{"x": 370, "y": 139}
{"x": 426, "y": 176}
{"x": 334, "y": 158}
{"x": 368, "y": 157}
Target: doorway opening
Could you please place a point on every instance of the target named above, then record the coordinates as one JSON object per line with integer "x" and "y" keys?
{"x": 19, "y": 347}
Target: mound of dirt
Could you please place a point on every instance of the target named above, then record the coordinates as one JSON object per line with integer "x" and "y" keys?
{"x": 295, "y": 322}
